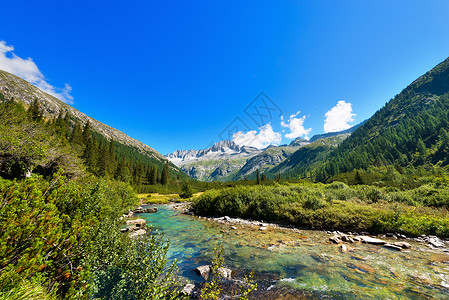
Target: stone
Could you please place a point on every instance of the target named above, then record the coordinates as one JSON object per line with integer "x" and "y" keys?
{"x": 233, "y": 227}
{"x": 140, "y": 223}
{"x": 393, "y": 247}
{"x": 347, "y": 238}
{"x": 128, "y": 228}
{"x": 403, "y": 245}
{"x": 203, "y": 271}
{"x": 263, "y": 228}
{"x": 188, "y": 289}
{"x": 149, "y": 210}
{"x": 137, "y": 233}
{"x": 343, "y": 248}
{"x": 435, "y": 242}
{"x": 335, "y": 239}
{"x": 373, "y": 241}
{"x": 356, "y": 239}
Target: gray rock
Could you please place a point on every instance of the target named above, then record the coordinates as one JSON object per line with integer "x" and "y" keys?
{"x": 137, "y": 233}
{"x": 435, "y": 242}
{"x": 393, "y": 247}
{"x": 373, "y": 241}
{"x": 403, "y": 245}
{"x": 347, "y": 239}
{"x": 203, "y": 271}
{"x": 335, "y": 239}
{"x": 140, "y": 223}
{"x": 188, "y": 289}
{"x": 263, "y": 228}
{"x": 149, "y": 210}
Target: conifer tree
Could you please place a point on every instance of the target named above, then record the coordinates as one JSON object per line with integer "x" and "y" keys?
{"x": 34, "y": 111}
{"x": 165, "y": 174}
{"x": 258, "y": 177}
{"x": 86, "y": 132}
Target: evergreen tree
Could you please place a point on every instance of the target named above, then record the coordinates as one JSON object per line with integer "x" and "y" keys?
{"x": 358, "y": 178}
{"x": 186, "y": 191}
{"x": 264, "y": 177}
{"x": 86, "y": 132}
{"x": 34, "y": 111}
{"x": 165, "y": 174}
{"x": 76, "y": 138}
{"x": 258, "y": 177}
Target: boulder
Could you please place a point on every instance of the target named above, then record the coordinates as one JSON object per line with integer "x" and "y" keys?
{"x": 343, "y": 248}
{"x": 149, "y": 210}
{"x": 347, "y": 239}
{"x": 393, "y": 247}
{"x": 188, "y": 289}
{"x": 263, "y": 228}
{"x": 435, "y": 242}
{"x": 203, "y": 271}
{"x": 335, "y": 239}
{"x": 140, "y": 223}
{"x": 373, "y": 241}
{"x": 137, "y": 233}
{"x": 128, "y": 228}
{"x": 403, "y": 245}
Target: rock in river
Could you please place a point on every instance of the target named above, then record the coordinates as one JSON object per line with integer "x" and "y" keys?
{"x": 204, "y": 271}
{"x": 335, "y": 239}
{"x": 393, "y": 247}
{"x": 370, "y": 240}
{"x": 140, "y": 223}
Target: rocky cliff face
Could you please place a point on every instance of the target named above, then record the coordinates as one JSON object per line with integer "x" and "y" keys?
{"x": 12, "y": 86}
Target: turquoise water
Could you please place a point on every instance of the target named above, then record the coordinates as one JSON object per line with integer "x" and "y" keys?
{"x": 305, "y": 260}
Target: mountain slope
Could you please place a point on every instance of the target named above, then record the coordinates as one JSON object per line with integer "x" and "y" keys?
{"x": 411, "y": 129}
{"x": 307, "y": 157}
{"x": 104, "y": 150}
{"x": 15, "y": 87}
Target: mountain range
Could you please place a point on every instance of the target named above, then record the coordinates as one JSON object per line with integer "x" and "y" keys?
{"x": 410, "y": 130}
{"x": 227, "y": 161}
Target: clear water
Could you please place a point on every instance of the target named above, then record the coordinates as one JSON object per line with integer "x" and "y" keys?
{"x": 305, "y": 261}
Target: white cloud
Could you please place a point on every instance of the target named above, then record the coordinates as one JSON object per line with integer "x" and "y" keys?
{"x": 28, "y": 70}
{"x": 264, "y": 138}
{"x": 296, "y": 126}
{"x": 338, "y": 117}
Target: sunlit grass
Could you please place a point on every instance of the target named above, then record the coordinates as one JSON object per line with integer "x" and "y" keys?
{"x": 156, "y": 198}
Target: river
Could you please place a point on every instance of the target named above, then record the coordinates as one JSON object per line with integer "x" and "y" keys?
{"x": 304, "y": 262}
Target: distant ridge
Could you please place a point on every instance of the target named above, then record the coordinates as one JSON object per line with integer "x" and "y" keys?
{"x": 330, "y": 134}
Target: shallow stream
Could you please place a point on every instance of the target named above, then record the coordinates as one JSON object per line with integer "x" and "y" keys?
{"x": 305, "y": 260}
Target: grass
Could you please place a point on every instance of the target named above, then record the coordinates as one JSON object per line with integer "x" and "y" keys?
{"x": 423, "y": 210}
{"x": 156, "y": 198}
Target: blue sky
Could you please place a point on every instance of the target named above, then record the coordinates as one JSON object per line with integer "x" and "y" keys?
{"x": 183, "y": 74}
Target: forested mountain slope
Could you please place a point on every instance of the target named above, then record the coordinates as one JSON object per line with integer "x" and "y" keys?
{"x": 411, "y": 129}
{"x": 40, "y": 133}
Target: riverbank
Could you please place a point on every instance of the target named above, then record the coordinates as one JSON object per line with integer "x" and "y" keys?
{"x": 332, "y": 207}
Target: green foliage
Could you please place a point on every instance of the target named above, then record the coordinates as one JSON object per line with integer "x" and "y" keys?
{"x": 247, "y": 287}
{"x": 165, "y": 176}
{"x": 26, "y": 291}
{"x": 211, "y": 288}
{"x": 186, "y": 191}
{"x": 26, "y": 144}
{"x": 64, "y": 236}
{"x": 421, "y": 210}
{"x": 132, "y": 269}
